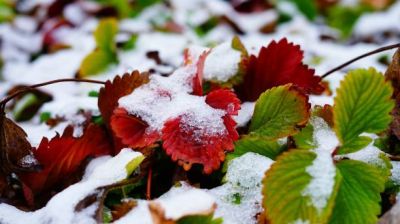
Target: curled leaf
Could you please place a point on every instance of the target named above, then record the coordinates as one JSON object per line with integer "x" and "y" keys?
{"x": 131, "y": 130}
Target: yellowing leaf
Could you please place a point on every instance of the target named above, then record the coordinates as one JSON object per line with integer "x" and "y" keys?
{"x": 95, "y": 63}
{"x": 278, "y": 113}
{"x": 105, "y": 54}
{"x": 363, "y": 104}
{"x": 105, "y": 34}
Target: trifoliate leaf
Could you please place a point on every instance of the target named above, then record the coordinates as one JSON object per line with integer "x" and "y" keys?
{"x": 362, "y": 104}
{"x": 358, "y": 198}
{"x": 284, "y": 184}
{"x": 278, "y": 112}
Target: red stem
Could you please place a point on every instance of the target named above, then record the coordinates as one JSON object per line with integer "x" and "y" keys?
{"x": 33, "y": 87}
{"x": 379, "y": 50}
{"x": 148, "y": 187}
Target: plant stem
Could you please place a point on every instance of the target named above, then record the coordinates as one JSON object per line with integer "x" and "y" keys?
{"x": 389, "y": 47}
{"x": 148, "y": 186}
{"x": 33, "y": 87}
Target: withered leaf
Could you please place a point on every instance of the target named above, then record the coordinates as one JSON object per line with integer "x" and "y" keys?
{"x": 393, "y": 75}
{"x": 16, "y": 154}
{"x": 122, "y": 209}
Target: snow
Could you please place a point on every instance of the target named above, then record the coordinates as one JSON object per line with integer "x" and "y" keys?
{"x": 245, "y": 113}
{"x": 322, "y": 170}
{"x": 395, "y": 172}
{"x": 61, "y": 208}
{"x": 222, "y": 63}
{"x": 177, "y": 206}
{"x": 165, "y": 98}
{"x": 300, "y": 221}
{"x": 373, "y": 23}
{"x": 369, "y": 154}
{"x": 243, "y": 182}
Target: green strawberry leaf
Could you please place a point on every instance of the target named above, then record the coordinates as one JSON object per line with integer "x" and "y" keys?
{"x": 284, "y": 184}
{"x": 307, "y": 7}
{"x": 304, "y": 139}
{"x": 200, "y": 219}
{"x": 362, "y": 104}
{"x": 278, "y": 113}
{"x": 270, "y": 149}
{"x": 343, "y": 18}
{"x": 358, "y": 198}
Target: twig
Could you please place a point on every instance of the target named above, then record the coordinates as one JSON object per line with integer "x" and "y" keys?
{"x": 33, "y": 87}
{"x": 389, "y": 47}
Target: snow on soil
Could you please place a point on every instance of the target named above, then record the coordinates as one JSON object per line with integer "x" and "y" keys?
{"x": 61, "y": 208}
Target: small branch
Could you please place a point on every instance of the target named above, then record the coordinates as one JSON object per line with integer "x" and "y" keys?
{"x": 148, "y": 186}
{"x": 33, "y": 87}
{"x": 389, "y": 47}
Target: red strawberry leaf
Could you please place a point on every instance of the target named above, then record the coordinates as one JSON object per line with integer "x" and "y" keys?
{"x": 277, "y": 64}
{"x": 131, "y": 130}
{"x": 189, "y": 144}
{"x": 62, "y": 156}
{"x": 119, "y": 87}
{"x": 198, "y": 77}
{"x": 224, "y": 99}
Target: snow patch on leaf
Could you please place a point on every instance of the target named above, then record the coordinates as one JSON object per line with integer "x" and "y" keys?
{"x": 322, "y": 170}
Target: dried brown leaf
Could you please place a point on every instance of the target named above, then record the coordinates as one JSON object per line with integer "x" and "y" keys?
{"x": 16, "y": 154}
